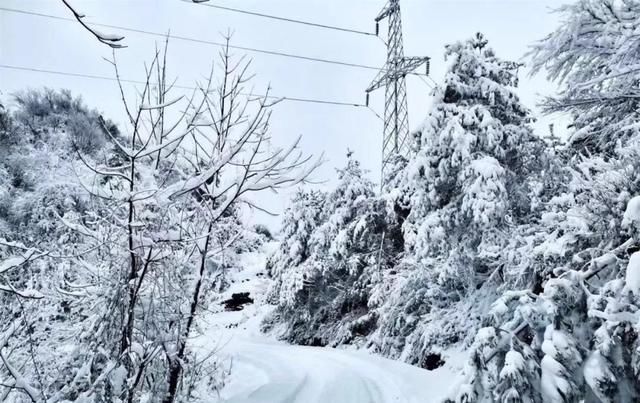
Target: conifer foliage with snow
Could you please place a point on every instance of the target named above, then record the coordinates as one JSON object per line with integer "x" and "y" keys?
{"x": 329, "y": 260}
{"x": 432, "y": 238}
{"x": 473, "y": 179}
{"x": 579, "y": 324}
{"x": 469, "y": 177}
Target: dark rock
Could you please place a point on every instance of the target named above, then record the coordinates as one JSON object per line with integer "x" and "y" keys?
{"x": 317, "y": 342}
{"x": 237, "y": 301}
{"x": 432, "y": 361}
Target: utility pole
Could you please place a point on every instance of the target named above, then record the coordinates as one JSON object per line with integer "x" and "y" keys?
{"x": 393, "y": 77}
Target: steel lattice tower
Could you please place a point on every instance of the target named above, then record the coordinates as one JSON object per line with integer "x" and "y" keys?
{"x": 393, "y": 77}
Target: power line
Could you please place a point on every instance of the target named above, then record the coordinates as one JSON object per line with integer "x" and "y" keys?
{"x": 427, "y": 83}
{"x": 106, "y": 78}
{"x": 196, "y": 40}
{"x": 275, "y": 17}
{"x": 433, "y": 81}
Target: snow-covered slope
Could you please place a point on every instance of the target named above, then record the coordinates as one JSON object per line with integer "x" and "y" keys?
{"x": 264, "y": 370}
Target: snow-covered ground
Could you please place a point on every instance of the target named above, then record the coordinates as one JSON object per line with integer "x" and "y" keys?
{"x": 265, "y": 370}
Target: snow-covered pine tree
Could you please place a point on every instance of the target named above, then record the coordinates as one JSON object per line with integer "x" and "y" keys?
{"x": 325, "y": 299}
{"x": 468, "y": 184}
{"x": 469, "y": 176}
{"x": 304, "y": 214}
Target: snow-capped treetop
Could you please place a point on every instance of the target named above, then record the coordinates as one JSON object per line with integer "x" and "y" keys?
{"x": 353, "y": 183}
{"x": 477, "y": 76}
{"x": 343, "y": 204}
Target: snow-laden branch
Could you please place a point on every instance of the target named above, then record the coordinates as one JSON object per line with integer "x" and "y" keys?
{"x": 26, "y": 293}
{"x": 15, "y": 261}
{"x": 199, "y": 180}
{"x": 111, "y": 40}
{"x": 162, "y": 105}
{"x": 20, "y": 382}
{"x": 146, "y": 151}
{"x": 79, "y": 228}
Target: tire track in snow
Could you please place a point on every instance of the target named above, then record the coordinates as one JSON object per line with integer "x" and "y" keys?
{"x": 298, "y": 374}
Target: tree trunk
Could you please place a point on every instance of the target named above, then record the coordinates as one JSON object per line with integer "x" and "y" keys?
{"x": 175, "y": 369}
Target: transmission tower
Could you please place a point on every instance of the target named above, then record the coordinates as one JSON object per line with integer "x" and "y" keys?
{"x": 393, "y": 77}
{"x": 552, "y": 140}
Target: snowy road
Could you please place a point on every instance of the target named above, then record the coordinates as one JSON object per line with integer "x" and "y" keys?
{"x": 279, "y": 373}
{"x": 264, "y": 370}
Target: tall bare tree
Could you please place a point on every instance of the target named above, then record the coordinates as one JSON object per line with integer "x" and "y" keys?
{"x": 231, "y": 158}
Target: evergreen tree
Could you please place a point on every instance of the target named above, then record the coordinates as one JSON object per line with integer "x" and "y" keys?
{"x": 578, "y": 315}
{"x": 469, "y": 177}
{"x": 324, "y": 299}
{"x": 300, "y": 219}
{"x": 473, "y": 178}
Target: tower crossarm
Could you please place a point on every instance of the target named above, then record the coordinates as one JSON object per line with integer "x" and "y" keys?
{"x": 380, "y": 80}
{"x": 411, "y": 64}
{"x": 396, "y": 69}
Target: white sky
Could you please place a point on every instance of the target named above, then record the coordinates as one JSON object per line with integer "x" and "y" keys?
{"x": 510, "y": 25}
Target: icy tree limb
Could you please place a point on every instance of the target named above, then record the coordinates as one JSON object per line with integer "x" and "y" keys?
{"x": 13, "y": 263}
{"x": 605, "y": 261}
{"x": 20, "y": 382}
{"x": 162, "y": 105}
{"x": 16, "y": 261}
{"x": 629, "y": 317}
{"x": 29, "y": 294}
{"x": 108, "y": 39}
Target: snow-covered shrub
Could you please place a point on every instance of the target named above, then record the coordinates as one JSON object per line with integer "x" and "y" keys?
{"x": 579, "y": 334}
{"x": 40, "y": 193}
{"x": 44, "y": 113}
